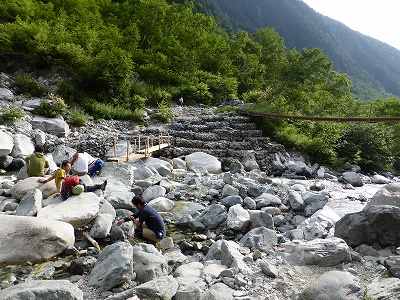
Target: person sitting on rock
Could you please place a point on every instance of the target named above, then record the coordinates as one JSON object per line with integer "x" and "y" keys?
{"x": 37, "y": 163}
{"x": 149, "y": 224}
{"x": 95, "y": 167}
{"x": 73, "y": 185}
{"x": 80, "y": 162}
{"x": 59, "y": 176}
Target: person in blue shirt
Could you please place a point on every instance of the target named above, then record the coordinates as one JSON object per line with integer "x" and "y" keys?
{"x": 149, "y": 224}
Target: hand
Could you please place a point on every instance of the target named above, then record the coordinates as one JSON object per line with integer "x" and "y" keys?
{"x": 56, "y": 195}
{"x": 42, "y": 180}
{"x": 120, "y": 222}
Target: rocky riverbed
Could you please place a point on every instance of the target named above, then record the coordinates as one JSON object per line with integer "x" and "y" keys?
{"x": 260, "y": 224}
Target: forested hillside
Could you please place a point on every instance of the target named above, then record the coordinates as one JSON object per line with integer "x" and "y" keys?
{"x": 373, "y": 66}
{"x": 118, "y": 57}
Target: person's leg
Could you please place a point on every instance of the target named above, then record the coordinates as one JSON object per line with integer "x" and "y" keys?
{"x": 149, "y": 234}
{"x": 92, "y": 188}
{"x": 64, "y": 192}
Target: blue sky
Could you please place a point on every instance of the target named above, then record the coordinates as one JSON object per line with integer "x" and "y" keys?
{"x": 379, "y": 19}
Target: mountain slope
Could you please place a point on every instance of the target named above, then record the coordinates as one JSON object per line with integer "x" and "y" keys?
{"x": 373, "y": 66}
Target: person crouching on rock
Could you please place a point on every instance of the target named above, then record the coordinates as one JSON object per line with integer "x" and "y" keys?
{"x": 73, "y": 185}
{"x": 59, "y": 176}
{"x": 149, "y": 224}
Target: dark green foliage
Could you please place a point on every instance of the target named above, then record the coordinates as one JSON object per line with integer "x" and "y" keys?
{"x": 29, "y": 86}
{"x": 78, "y": 118}
{"x": 368, "y": 145}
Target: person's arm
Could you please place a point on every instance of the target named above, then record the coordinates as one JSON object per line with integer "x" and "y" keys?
{"x": 74, "y": 157}
{"x": 127, "y": 219}
{"x": 42, "y": 180}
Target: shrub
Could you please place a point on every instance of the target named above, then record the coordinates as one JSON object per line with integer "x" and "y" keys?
{"x": 30, "y": 86}
{"x": 165, "y": 111}
{"x": 52, "y": 108}
{"x": 227, "y": 109}
{"x": 78, "y": 118}
{"x": 11, "y": 114}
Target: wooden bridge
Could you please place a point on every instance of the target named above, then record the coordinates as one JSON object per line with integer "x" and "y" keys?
{"x": 316, "y": 118}
{"x": 143, "y": 147}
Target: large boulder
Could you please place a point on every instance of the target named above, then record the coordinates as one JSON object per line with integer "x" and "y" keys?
{"x": 113, "y": 267}
{"x": 334, "y": 285}
{"x": 54, "y": 126}
{"x": 201, "y": 160}
{"x": 376, "y": 224}
{"x": 23, "y": 146}
{"x": 42, "y": 290}
{"x": 31, "y": 239}
{"x": 387, "y": 195}
{"x": 77, "y": 210}
{"x": 19, "y": 190}
{"x": 7, "y": 143}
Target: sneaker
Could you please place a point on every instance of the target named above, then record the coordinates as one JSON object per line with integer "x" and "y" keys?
{"x": 103, "y": 185}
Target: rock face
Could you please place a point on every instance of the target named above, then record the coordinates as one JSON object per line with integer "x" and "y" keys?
{"x": 31, "y": 239}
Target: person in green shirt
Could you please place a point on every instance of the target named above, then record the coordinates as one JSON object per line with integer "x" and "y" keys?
{"x": 37, "y": 162}
{"x": 58, "y": 176}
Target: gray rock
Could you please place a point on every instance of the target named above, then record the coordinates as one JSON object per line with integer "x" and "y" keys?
{"x": 296, "y": 200}
{"x": 238, "y": 218}
{"x": 387, "y": 195}
{"x": 6, "y": 94}
{"x": 31, "y": 239}
{"x": 148, "y": 263}
{"x": 321, "y": 252}
{"x": 201, "y": 160}
{"x": 232, "y": 258}
{"x": 212, "y": 216}
{"x": 261, "y": 238}
{"x": 260, "y": 219}
{"x": 77, "y": 210}
{"x": 113, "y": 267}
{"x": 23, "y": 146}
{"x": 162, "y": 204}
{"x": 334, "y": 285}
{"x": 229, "y": 201}
{"x": 178, "y": 163}
{"x": 43, "y": 290}
{"x": 153, "y": 192}
{"x": 7, "y": 143}
{"x": 159, "y": 288}
{"x": 375, "y": 224}
{"x": 218, "y": 291}
{"x": 352, "y": 178}
{"x": 101, "y": 226}
{"x": 384, "y": 288}
{"x": 30, "y": 204}
{"x": 54, "y": 126}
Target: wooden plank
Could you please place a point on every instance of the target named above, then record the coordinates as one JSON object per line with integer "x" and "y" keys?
{"x": 141, "y": 153}
{"x": 154, "y": 148}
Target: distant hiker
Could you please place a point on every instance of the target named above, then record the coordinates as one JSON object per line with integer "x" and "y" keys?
{"x": 37, "y": 162}
{"x": 180, "y": 101}
{"x": 73, "y": 185}
{"x": 149, "y": 224}
{"x": 80, "y": 162}
{"x": 58, "y": 176}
